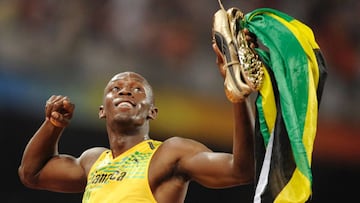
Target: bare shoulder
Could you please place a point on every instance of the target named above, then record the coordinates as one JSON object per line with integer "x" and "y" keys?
{"x": 93, "y": 152}
{"x": 167, "y": 181}
{"x": 179, "y": 147}
{"x": 89, "y": 156}
{"x": 166, "y": 159}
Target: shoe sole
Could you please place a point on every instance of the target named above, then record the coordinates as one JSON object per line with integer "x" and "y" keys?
{"x": 241, "y": 78}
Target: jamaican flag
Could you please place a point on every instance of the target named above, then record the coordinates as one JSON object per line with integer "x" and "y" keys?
{"x": 286, "y": 106}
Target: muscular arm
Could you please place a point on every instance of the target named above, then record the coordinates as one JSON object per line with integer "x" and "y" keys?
{"x": 41, "y": 166}
{"x": 222, "y": 169}
{"x": 219, "y": 170}
{"x": 243, "y": 143}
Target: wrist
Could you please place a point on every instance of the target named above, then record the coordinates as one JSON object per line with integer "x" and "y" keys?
{"x": 55, "y": 123}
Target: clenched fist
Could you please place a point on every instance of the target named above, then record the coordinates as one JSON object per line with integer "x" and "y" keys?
{"x": 59, "y": 110}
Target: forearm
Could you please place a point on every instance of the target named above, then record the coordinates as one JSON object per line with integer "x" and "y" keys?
{"x": 243, "y": 141}
{"x": 41, "y": 147}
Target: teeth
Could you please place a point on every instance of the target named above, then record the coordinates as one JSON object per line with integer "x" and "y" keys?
{"x": 125, "y": 104}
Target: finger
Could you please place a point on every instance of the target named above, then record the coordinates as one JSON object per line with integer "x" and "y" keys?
{"x": 57, "y": 106}
{"x": 69, "y": 109}
{"x": 58, "y": 120}
{"x": 68, "y": 105}
{"x": 252, "y": 44}
{"x": 67, "y": 116}
{"x": 246, "y": 31}
{"x": 52, "y": 104}
{"x": 56, "y": 115}
{"x": 219, "y": 59}
{"x": 48, "y": 106}
{"x": 251, "y": 38}
{"x": 55, "y": 98}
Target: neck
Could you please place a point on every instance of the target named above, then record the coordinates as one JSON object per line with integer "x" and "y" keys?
{"x": 122, "y": 140}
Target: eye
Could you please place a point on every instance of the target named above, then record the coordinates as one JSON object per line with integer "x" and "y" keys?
{"x": 115, "y": 89}
{"x": 138, "y": 89}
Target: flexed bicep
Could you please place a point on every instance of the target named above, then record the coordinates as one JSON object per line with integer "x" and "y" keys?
{"x": 211, "y": 169}
{"x": 62, "y": 173}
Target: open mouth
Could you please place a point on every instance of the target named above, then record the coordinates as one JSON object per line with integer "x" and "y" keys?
{"x": 123, "y": 103}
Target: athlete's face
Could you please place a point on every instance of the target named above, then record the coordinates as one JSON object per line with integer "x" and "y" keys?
{"x": 128, "y": 98}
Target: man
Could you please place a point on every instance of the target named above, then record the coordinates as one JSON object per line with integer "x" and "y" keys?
{"x": 135, "y": 168}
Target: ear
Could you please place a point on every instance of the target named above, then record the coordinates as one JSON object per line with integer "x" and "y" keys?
{"x": 101, "y": 112}
{"x": 153, "y": 113}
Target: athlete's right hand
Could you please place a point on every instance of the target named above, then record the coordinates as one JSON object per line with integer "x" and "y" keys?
{"x": 59, "y": 110}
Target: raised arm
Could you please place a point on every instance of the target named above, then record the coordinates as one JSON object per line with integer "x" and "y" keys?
{"x": 243, "y": 138}
{"x": 218, "y": 170}
{"x": 243, "y": 142}
{"x": 41, "y": 166}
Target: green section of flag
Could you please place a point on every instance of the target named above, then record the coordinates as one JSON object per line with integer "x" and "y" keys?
{"x": 290, "y": 56}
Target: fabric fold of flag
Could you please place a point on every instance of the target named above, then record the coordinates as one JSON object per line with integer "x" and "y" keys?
{"x": 287, "y": 105}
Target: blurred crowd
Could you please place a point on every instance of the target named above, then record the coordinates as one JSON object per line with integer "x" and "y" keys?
{"x": 73, "y": 47}
{"x": 78, "y": 44}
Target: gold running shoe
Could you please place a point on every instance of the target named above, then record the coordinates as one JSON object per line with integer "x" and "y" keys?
{"x": 243, "y": 68}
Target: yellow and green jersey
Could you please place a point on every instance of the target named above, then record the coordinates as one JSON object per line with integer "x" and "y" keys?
{"x": 122, "y": 179}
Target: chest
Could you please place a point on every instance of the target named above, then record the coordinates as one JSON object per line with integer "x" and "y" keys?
{"x": 123, "y": 179}
{"x": 133, "y": 166}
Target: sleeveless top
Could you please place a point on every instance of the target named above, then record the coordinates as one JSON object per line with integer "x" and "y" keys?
{"x": 122, "y": 179}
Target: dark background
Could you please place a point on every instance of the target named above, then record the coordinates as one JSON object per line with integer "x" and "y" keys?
{"x": 74, "y": 47}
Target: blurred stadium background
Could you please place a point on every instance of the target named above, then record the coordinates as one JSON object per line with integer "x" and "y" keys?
{"x": 73, "y": 48}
